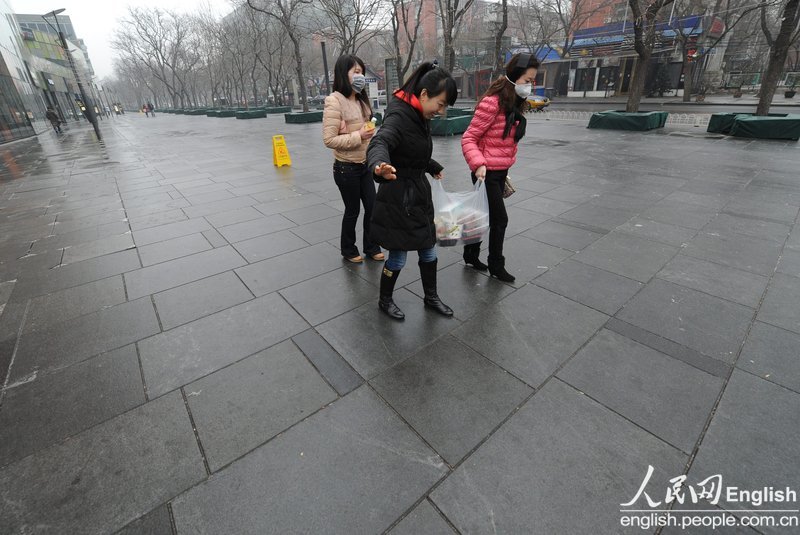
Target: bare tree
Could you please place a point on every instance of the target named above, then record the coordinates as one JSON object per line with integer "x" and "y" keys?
{"x": 237, "y": 40}
{"x": 502, "y": 26}
{"x": 286, "y": 13}
{"x": 401, "y": 16}
{"x": 271, "y": 51}
{"x": 573, "y": 15}
{"x": 683, "y": 13}
{"x": 451, "y": 12}
{"x": 158, "y": 39}
{"x": 540, "y": 26}
{"x": 350, "y": 23}
{"x": 788, "y": 34}
{"x": 644, "y": 38}
{"x": 728, "y": 14}
{"x": 211, "y": 50}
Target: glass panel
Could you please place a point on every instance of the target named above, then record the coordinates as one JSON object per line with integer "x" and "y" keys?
{"x": 584, "y": 79}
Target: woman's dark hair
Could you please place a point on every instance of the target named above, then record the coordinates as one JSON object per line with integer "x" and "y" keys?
{"x": 515, "y": 68}
{"x": 430, "y": 77}
{"x": 341, "y": 79}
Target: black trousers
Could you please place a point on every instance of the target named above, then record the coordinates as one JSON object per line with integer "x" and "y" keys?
{"x": 498, "y": 217}
{"x": 357, "y": 187}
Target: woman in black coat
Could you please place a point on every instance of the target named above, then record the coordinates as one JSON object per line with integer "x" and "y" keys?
{"x": 400, "y": 155}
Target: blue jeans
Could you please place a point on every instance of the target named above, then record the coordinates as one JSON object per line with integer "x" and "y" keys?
{"x": 397, "y": 259}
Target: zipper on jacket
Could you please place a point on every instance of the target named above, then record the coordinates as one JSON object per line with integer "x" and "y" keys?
{"x": 407, "y": 197}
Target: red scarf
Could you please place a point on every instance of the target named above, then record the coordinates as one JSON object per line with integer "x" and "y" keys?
{"x": 410, "y": 99}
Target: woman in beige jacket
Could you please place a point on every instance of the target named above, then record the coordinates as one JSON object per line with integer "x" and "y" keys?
{"x": 346, "y": 128}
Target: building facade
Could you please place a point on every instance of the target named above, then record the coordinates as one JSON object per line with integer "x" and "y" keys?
{"x": 35, "y": 23}
{"x": 21, "y": 105}
{"x": 50, "y": 66}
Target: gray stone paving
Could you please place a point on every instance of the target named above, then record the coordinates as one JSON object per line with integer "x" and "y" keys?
{"x": 182, "y": 349}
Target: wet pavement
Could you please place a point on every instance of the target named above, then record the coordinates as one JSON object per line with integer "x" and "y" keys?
{"x": 183, "y": 350}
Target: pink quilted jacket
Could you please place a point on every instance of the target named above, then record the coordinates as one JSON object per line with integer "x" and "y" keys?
{"x": 483, "y": 142}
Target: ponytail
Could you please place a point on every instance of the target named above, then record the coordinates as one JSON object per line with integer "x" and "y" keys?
{"x": 434, "y": 80}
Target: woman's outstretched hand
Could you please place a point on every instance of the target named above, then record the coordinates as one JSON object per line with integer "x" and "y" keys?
{"x": 385, "y": 171}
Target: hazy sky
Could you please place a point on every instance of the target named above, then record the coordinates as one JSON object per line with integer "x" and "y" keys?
{"x": 95, "y": 20}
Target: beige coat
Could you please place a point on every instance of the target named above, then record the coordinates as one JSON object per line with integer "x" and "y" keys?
{"x": 342, "y": 120}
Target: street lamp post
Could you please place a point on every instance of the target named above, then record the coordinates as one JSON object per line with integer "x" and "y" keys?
{"x": 86, "y": 102}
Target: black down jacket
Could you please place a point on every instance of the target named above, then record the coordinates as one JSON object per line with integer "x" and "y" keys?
{"x": 402, "y": 218}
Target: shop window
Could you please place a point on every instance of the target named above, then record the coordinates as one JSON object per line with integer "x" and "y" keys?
{"x": 584, "y": 79}
{"x": 608, "y": 77}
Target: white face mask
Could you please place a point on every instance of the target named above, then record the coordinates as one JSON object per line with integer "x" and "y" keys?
{"x": 522, "y": 90}
{"x": 358, "y": 83}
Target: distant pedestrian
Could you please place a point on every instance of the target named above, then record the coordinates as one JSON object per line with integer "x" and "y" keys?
{"x": 490, "y": 148}
{"x": 54, "y": 119}
{"x": 399, "y": 156}
{"x": 151, "y": 109}
{"x": 346, "y": 128}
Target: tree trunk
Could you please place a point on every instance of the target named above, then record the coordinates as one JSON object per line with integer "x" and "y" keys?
{"x": 769, "y": 83}
{"x": 777, "y": 57}
{"x": 449, "y": 54}
{"x": 687, "y": 73}
{"x": 451, "y": 59}
{"x": 300, "y": 78}
{"x": 638, "y": 79}
{"x": 498, "y": 63}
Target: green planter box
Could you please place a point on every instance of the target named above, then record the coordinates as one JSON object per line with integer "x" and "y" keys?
{"x": 769, "y": 127}
{"x": 212, "y": 113}
{"x": 460, "y": 112}
{"x": 278, "y": 109}
{"x": 226, "y": 113}
{"x": 721, "y": 123}
{"x": 302, "y": 118}
{"x": 252, "y": 114}
{"x": 199, "y": 111}
{"x": 178, "y": 112}
{"x": 450, "y": 126}
{"x": 620, "y": 120}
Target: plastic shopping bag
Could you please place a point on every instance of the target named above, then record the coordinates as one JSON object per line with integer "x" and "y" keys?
{"x": 460, "y": 218}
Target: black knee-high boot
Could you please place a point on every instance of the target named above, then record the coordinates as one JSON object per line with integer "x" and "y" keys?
{"x": 471, "y": 253}
{"x": 496, "y": 260}
{"x": 385, "y": 301}
{"x": 427, "y": 271}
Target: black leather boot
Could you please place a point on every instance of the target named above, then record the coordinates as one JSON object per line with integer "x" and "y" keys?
{"x": 497, "y": 269}
{"x": 385, "y": 301}
{"x": 427, "y": 271}
{"x": 471, "y": 253}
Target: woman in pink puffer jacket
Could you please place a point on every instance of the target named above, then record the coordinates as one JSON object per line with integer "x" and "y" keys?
{"x": 490, "y": 148}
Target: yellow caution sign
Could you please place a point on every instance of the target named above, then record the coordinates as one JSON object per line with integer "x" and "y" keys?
{"x": 280, "y": 154}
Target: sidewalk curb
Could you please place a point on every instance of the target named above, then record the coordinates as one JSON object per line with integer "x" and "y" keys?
{"x": 728, "y": 104}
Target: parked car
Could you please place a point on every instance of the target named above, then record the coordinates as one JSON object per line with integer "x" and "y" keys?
{"x": 317, "y": 99}
{"x": 537, "y": 103}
